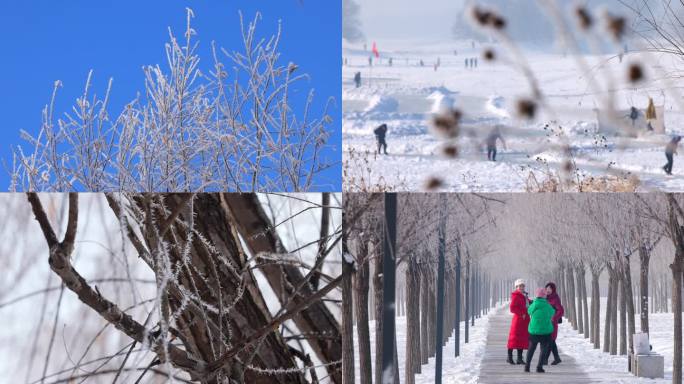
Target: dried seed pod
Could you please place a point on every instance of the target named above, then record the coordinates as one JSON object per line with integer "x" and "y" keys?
{"x": 616, "y": 26}
{"x": 584, "y": 18}
{"x": 567, "y": 166}
{"x": 635, "y": 73}
{"x": 487, "y": 18}
{"x": 433, "y": 183}
{"x": 447, "y": 124}
{"x": 527, "y": 108}
{"x": 450, "y": 150}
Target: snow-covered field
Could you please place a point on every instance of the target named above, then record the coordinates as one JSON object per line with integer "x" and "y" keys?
{"x": 602, "y": 365}
{"x": 455, "y": 370}
{"x": 406, "y": 95}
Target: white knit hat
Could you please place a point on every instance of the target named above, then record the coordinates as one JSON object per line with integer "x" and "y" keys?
{"x": 519, "y": 282}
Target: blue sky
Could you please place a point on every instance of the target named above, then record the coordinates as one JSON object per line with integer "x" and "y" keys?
{"x": 46, "y": 40}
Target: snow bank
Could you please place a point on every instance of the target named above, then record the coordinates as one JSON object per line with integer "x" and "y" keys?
{"x": 464, "y": 369}
{"x": 382, "y": 104}
{"x": 497, "y": 106}
{"x": 441, "y": 100}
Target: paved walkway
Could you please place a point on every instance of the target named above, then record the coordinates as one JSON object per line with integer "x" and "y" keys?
{"x": 495, "y": 369}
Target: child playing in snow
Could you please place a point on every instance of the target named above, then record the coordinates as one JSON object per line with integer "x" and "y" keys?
{"x": 380, "y": 133}
{"x": 671, "y": 149}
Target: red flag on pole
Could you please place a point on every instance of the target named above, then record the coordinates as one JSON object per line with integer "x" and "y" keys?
{"x": 375, "y": 50}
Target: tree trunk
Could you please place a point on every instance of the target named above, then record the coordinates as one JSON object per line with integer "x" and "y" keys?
{"x": 585, "y": 305}
{"x": 377, "y": 288}
{"x": 362, "y": 314}
{"x": 389, "y": 340}
{"x": 457, "y": 321}
{"x": 467, "y": 298}
{"x": 580, "y": 318}
{"x": 629, "y": 294}
{"x": 347, "y": 316}
{"x": 205, "y": 333}
{"x": 412, "y": 317}
{"x": 623, "y": 315}
{"x": 317, "y": 319}
{"x": 613, "y": 314}
{"x": 595, "y": 309}
{"x": 424, "y": 343}
{"x": 570, "y": 281}
{"x": 644, "y": 258}
{"x": 609, "y": 313}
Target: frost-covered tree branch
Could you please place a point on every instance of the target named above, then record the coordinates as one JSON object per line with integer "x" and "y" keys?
{"x": 242, "y": 124}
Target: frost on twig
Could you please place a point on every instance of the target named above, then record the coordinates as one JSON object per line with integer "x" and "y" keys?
{"x": 243, "y": 124}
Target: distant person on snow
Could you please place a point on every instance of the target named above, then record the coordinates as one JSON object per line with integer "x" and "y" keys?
{"x": 670, "y": 150}
{"x": 518, "y": 335}
{"x": 491, "y": 143}
{"x": 380, "y": 133}
{"x": 357, "y": 79}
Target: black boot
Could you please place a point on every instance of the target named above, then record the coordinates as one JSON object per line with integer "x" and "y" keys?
{"x": 556, "y": 361}
{"x": 527, "y": 368}
{"x": 510, "y": 357}
{"x": 540, "y": 369}
{"x": 520, "y": 357}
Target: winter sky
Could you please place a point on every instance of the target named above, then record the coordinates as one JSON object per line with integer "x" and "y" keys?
{"x": 44, "y": 41}
{"x": 400, "y": 19}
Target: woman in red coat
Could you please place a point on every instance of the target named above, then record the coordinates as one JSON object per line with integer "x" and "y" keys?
{"x": 553, "y": 299}
{"x": 518, "y": 336}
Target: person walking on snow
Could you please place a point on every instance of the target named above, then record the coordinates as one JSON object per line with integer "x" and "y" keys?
{"x": 380, "y": 133}
{"x": 670, "y": 150}
{"x": 357, "y": 79}
{"x": 553, "y": 299}
{"x": 494, "y": 135}
{"x": 518, "y": 336}
{"x": 540, "y": 328}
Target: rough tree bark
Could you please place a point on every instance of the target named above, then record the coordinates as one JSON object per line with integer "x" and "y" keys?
{"x": 215, "y": 345}
{"x": 644, "y": 258}
{"x": 347, "y": 315}
{"x": 316, "y": 321}
{"x": 595, "y": 308}
{"x": 362, "y": 317}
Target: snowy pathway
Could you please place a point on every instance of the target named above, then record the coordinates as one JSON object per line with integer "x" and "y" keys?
{"x": 495, "y": 369}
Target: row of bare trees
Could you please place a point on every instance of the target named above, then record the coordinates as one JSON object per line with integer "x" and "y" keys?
{"x": 455, "y": 256}
{"x": 627, "y": 245}
{"x": 437, "y": 270}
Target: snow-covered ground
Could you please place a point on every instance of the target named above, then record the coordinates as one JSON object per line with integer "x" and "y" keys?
{"x": 406, "y": 95}
{"x": 601, "y": 365}
{"x": 455, "y": 370}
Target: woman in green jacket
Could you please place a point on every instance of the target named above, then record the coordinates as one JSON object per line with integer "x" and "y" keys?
{"x": 540, "y": 327}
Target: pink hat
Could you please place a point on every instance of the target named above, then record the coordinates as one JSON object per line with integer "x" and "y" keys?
{"x": 540, "y": 292}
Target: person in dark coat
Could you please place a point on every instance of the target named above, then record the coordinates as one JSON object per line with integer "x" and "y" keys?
{"x": 357, "y": 79}
{"x": 494, "y": 135}
{"x": 540, "y": 328}
{"x": 553, "y": 299}
{"x": 670, "y": 150}
{"x": 380, "y": 133}
{"x": 518, "y": 336}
